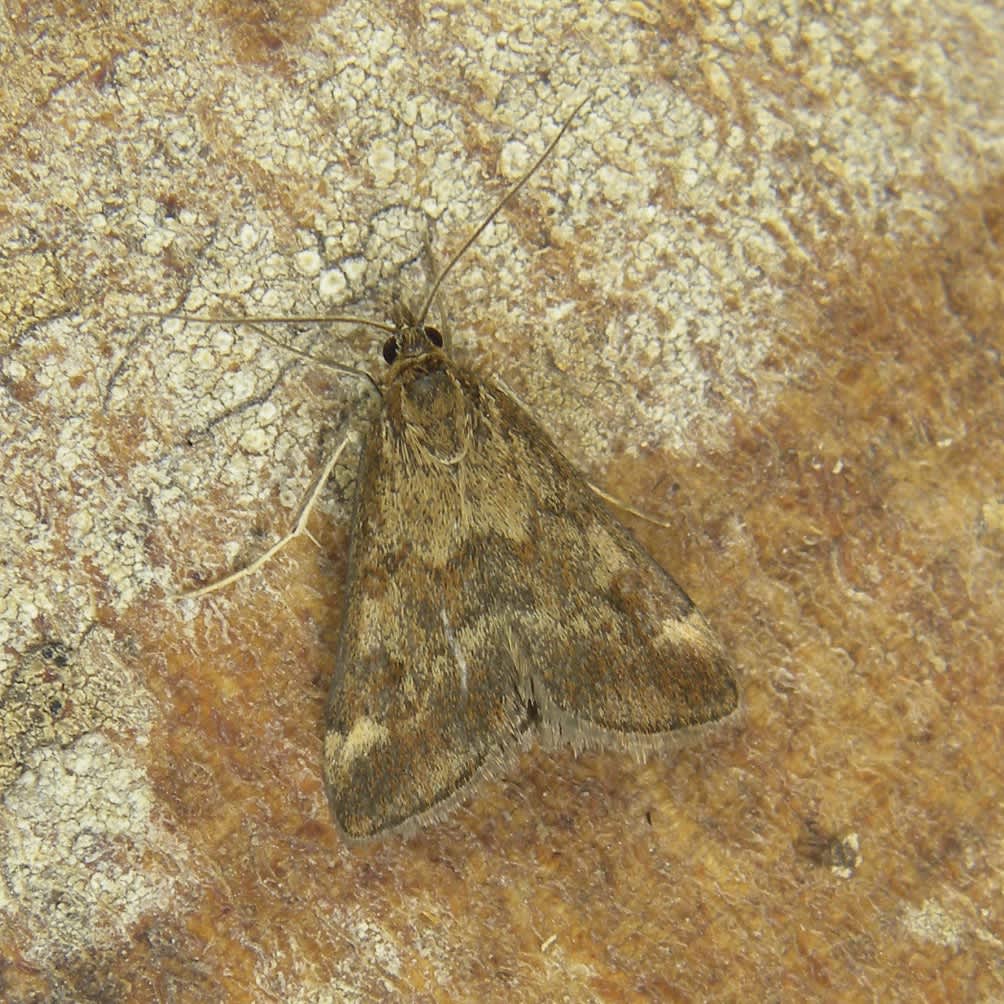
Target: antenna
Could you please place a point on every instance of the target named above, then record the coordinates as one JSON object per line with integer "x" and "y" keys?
{"x": 274, "y": 319}
{"x": 491, "y": 216}
{"x": 348, "y": 319}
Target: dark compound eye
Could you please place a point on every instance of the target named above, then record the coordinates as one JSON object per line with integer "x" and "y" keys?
{"x": 390, "y": 349}
{"x": 434, "y": 336}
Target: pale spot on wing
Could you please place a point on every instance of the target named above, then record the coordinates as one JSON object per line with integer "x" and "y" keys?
{"x": 333, "y": 742}
{"x": 457, "y": 651}
{"x": 692, "y": 632}
{"x": 340, "y": 751}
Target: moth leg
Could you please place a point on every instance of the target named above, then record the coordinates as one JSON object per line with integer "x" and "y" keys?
{"x": 624, "y": 507}
{"x": 299, "y": 528}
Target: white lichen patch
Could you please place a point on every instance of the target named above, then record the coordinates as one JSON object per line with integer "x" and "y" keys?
{"x": 83, "y": 859}
{"x": 932, "y": 922}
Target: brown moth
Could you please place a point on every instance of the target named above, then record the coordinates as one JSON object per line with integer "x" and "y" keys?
{"x": 492, "y": 598}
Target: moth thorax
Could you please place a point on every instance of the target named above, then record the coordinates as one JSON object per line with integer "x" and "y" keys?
{"x": 434, "y": 407}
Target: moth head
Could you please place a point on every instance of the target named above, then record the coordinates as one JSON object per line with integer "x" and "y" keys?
{"x": 411, "y": 341}
{"x": 423, "y": 400}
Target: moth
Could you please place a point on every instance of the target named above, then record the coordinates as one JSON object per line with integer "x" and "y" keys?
{"x": 492, "y": 599}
